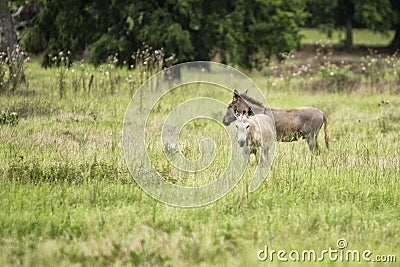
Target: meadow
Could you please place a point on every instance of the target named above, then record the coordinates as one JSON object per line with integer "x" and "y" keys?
{"x": 67, "y": 197}
{"x": 360, "y": 37}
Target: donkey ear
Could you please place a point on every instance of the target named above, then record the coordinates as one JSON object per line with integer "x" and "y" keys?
{"x": 245, "y": 92}
{"x": 236, "y": 94}
{"x": 250, "y": 112}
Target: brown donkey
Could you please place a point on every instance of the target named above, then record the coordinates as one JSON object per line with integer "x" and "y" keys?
{"x": 291, "y": 124}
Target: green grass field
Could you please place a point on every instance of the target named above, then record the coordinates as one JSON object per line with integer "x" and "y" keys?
{"x": 67, "y": 197}
{"x": 360, "y": 37}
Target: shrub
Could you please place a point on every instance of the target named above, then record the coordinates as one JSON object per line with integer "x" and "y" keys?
{"x": 10, "y": 118}
{"x": 336, "y": 78}
{"x": 12, "y": 67}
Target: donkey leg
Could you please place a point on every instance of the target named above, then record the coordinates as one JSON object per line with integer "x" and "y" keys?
{"x": 262, "y": 158}
{"x": 269, "y": 155}
{"x": 266, "y": 155}
{"x": 246, "y": 154}
{"x": 311, "y": 142}
{"x": 316, "y": 138}
{"x": 316, "y": 143}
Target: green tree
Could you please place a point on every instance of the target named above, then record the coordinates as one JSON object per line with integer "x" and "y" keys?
{"x": 395, "y": 43}
{"x": 333, "y": 14}
{"x": 257, "y": 30}
{"x": 60, "y": 26}
{"x": 243, "y": 33}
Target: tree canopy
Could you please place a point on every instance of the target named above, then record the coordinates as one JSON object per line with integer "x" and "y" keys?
{"x": 378, "y": 16}
{"x": 238, "y": 32}
{"x": 242, "y": 33}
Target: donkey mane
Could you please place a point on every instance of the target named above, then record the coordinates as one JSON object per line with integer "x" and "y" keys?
{"x": 251, "y": 100}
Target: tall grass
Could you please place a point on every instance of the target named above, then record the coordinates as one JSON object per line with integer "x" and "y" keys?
{"x": 67, "y": 197}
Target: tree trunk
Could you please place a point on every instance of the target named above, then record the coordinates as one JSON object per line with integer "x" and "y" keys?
{"x": 7, "y": 28}
{"x": 395, "y": 44}
{"x": 8, "y": 44}
{"x": 349, "y": 32}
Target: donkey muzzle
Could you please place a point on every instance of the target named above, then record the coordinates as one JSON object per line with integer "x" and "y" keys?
{"x": 242, "y": 142}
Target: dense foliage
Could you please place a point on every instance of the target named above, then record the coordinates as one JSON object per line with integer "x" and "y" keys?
{"x": 242, "y": 33}
{"x": 378, "y": 16}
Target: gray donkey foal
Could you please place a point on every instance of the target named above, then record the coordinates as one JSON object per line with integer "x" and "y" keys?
{"x": 256, "y": 134}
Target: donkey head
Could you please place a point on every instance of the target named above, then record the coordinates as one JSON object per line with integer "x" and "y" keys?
{"x": 242, "y": 130}
{"x": 236, "y": 107}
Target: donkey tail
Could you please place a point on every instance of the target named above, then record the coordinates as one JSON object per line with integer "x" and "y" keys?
{"x": 326, "y": 131}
